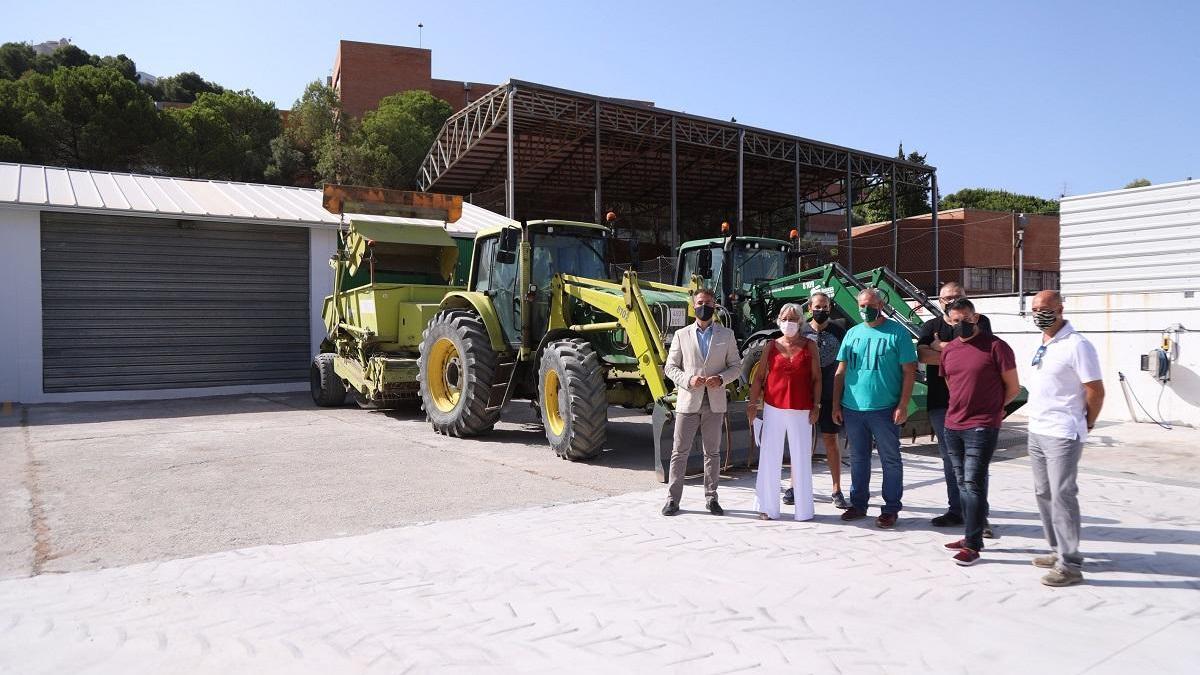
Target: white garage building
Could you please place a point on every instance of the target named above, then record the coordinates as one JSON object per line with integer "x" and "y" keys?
{"x": 122, "y": 286}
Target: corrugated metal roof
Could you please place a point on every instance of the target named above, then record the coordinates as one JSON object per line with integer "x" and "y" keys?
{"x": 1138, "y": 240}
{"x": 58, "y": 189}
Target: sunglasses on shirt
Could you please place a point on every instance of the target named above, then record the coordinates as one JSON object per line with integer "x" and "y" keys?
{"x": 1037, "y": 356}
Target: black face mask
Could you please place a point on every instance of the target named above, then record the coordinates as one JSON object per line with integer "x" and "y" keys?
{"x": 820, "y": 315}
{"x": 964, "y": 329}
{"x": 704, "y": 312}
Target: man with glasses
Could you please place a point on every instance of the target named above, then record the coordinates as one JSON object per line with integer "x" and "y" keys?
{"x": 1065, "y": 396}
{"x": 935, "y": 334}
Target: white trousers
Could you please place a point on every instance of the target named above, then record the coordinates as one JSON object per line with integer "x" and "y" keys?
{"x": 778, "y": 424}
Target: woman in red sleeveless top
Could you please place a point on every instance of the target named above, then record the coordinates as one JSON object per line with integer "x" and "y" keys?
{"x": 789, "y": 373}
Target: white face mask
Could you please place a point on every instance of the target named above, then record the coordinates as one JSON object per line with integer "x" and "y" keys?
{"x": 789, "y": 328}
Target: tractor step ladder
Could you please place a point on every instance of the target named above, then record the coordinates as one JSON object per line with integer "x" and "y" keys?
{"x": 502, "y": 385}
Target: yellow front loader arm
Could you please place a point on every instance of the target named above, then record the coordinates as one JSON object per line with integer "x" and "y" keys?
{"x": 632, "y": 316}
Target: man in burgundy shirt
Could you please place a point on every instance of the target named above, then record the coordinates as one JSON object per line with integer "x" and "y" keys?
{"x": 981, "y": 373}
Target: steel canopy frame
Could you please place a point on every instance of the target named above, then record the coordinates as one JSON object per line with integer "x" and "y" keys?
{"x": 554, "y": 150}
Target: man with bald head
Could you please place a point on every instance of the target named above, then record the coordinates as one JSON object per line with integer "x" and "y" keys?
{"x": 871, "y": 390}
{"x": 1065, "y": 396}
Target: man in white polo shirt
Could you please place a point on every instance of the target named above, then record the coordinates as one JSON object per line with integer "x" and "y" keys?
{"x": 1065, "y": 395}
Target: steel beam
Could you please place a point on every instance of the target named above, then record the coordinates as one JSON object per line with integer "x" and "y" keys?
{"x": 895, "y": 227}
{"x": 848, "y": 193}
{"x": 740, "y": 177}
{"x": 937, "y": 272}
{"x": 596, "y": 157}
{"x": 674, "y": 195}
{"x": 510, "y": 182}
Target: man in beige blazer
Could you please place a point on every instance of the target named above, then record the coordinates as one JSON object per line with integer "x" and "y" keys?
{"x": 703, "y": 359}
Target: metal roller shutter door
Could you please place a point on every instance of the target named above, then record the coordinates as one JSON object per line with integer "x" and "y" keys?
{"x": 142, "y": 303}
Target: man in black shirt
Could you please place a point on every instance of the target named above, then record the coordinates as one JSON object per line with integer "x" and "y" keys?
{"x": 934, "y": 333}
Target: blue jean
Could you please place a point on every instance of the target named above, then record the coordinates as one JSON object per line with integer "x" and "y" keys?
{"x": 937, "y": 418}
{"x": 971, "y": 451}
{"x": 863, "y": 426}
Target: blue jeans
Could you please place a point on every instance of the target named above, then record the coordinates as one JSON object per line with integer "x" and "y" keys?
{"x": 937, "y": 418}
{"x": 861, "y": 428}
{"x": 971, "y": 451}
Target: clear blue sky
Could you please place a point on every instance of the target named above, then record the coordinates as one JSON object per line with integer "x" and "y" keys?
{"x": 1022, "y": 95}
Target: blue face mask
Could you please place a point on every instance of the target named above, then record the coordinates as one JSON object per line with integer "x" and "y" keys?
{"x": 704, "y": 312}
{"x": 868, "y": 313}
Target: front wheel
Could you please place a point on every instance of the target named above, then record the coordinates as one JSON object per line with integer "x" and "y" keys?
{"x": 457, "y": 370}
{"x": 750, "y": 361}
{"x": 573, "y": 400}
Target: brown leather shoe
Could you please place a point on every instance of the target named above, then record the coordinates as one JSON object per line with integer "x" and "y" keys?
{"x": 852, "y": 514}
{"x": 886, "y": 521}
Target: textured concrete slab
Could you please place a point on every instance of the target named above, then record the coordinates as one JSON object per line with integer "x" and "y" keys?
{"x": 610, "y": 585}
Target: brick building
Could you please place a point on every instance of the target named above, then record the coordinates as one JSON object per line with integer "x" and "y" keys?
{"x": 365, "y": 72}
{"x": 975, "y": 247}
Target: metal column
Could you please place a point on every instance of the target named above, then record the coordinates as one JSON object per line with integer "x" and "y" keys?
{"x": 895, "y": 227}
{"x": 937, "y": 272}
{"x": 596, "y": 159}
{"x": 849, "y": 190}
{"x": 674, "y": 202}
{"x": 510, "y": 184}
{"x": 740, "y": 157}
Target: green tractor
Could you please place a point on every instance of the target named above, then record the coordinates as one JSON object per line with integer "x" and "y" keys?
{"x": 750, "y": 274}
{"x": 389, "y": 278}
{"x": 539, "y": 321}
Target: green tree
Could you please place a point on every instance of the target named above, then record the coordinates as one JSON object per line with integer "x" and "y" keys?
{"x": 221, "y": 136}
{"x": 97, "y": 118}
{"x": 1140, "y": 182}
{"x": 876, "y": 205}
{"x": 186, "y": 87}
{"x": 16, "y": 58}
{"x": 314, "y": 123}
{"x": 25, "y": 122}
{"x": 997, "y": 200}
{"x": 388, "y": 146}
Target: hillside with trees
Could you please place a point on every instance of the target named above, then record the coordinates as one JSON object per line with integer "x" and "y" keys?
{"x": 75, "y": 109}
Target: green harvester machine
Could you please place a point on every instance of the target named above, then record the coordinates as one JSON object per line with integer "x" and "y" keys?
{"x": 390, "y": 275}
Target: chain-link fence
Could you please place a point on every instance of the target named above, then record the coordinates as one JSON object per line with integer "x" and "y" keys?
{"x": 660, "y": 270}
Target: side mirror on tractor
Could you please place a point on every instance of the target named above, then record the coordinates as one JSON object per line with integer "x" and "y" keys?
{"x": 510, "y": 239}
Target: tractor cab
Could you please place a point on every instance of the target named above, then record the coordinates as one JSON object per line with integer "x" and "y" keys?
{"x": 732, "y": 266}
{"x": 546, "y": 248}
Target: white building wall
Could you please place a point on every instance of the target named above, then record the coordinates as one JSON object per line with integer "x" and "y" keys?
{"x": 20, "y": 304}
{"x": 322, "y": 243}
{"x": 1122, "y": 327}
{"x": 1132, "y": 241}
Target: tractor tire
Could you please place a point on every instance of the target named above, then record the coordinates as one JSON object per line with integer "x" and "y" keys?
{"x": 750, "y": 360}
{"x": 572, "y": 398}
{"x": 457, "y": 369}
{"x": 324, "y": 384}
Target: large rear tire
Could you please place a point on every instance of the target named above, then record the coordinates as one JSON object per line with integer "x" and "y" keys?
{"x": 326, "y": 387}
{"x": 572, "y": 398}
{"x": 456, "y": 369}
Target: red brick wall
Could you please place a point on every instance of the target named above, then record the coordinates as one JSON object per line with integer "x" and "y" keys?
{"x": 967, "y": 238}
{"x": 364, "y": 73}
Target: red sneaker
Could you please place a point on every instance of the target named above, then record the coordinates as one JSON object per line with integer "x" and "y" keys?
{"x": 956, "y": 545}
{"x": 966, "y": 557}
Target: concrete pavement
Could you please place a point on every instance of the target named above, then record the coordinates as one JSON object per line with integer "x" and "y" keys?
{"x": 609, "y": 584}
